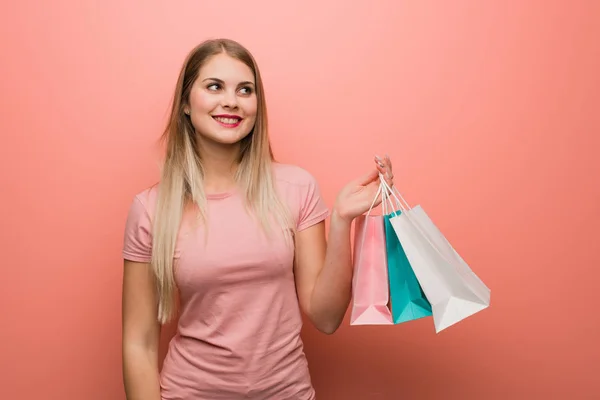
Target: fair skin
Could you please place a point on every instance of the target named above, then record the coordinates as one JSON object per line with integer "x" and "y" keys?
{"x": 225, "y": 87}
{"x": 222, "y": 107}
{"x": 141, "y": 333}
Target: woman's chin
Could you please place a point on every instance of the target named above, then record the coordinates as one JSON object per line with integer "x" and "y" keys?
{"x": 229, "y": 137}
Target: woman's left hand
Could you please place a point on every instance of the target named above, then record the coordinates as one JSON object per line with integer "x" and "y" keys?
{"x": 356, "y": 197}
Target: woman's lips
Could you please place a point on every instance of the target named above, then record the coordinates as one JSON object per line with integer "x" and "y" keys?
{"x": 228, "y": 121}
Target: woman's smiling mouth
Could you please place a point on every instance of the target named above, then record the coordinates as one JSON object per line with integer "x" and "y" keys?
{"x": 228, "y": 121}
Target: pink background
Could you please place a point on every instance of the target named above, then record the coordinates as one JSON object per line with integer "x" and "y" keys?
{"x": 489, "y": 110}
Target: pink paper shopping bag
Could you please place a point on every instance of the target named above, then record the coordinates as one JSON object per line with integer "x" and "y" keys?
{"x": 370, "y": 284}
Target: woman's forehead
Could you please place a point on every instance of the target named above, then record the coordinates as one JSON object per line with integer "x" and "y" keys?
{"x": 227, "y": 69}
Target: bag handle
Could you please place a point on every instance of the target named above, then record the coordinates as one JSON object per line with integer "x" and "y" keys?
{"x": 402, "y": 204}
{"x": 386, "y": 199}
{"x": 379, "y": 192}
{"x": 385, "y": 191}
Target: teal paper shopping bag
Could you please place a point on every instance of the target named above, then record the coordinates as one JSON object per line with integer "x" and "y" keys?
{"x": 406, "y": 296}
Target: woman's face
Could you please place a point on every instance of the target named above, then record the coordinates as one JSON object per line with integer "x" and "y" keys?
{"x": 222, "y": 103}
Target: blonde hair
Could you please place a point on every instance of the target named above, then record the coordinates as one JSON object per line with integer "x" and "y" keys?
{"x": 181, "y": 183}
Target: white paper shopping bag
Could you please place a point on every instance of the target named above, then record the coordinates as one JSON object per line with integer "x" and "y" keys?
{"x": 449, "y": 284}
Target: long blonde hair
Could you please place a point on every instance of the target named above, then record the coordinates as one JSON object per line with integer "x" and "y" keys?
{"x": 181, "y": 183}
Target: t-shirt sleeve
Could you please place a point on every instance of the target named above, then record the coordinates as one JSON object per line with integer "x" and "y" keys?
{"x": 137, "y": 244}
{"x": 312, "y": 206}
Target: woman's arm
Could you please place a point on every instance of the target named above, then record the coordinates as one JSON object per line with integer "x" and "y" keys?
{"x": 141, "y": 333}
{"x": 324, "y": 270}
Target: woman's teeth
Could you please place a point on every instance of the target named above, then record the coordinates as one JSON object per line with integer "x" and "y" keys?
{"x": 227, "y": 120}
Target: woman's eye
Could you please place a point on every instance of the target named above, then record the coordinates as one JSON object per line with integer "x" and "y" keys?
{"x": 246, "y": 90}
{"x": 213, "y": 86}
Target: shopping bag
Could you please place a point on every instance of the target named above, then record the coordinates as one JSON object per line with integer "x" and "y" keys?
{"x": 370, "y": 288}
{"x": 407, "y": 297}
{"x": 454, "y": 291}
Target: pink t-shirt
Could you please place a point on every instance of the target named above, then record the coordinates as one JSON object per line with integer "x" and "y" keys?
{"x": 238, "y": 334}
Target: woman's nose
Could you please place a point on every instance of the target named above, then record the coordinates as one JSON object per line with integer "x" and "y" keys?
{"x": 229, "y": 100}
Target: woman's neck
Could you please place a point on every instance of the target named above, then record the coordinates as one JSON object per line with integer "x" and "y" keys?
{"x": 219, "y": 163}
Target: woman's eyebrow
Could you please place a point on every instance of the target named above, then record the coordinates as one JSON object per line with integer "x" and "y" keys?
{"x": 222, "y": 82}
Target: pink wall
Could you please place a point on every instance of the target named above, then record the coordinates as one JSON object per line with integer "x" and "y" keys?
{"x": 490, "y": 111}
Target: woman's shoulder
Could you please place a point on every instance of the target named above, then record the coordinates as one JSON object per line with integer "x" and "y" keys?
{"x": 301, "y": 190}
{"x": 146, "y": 199}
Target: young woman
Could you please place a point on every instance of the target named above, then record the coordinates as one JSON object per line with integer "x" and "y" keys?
{"x": 238, "y": 241}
